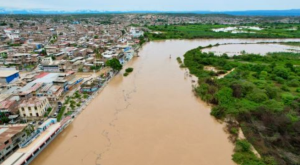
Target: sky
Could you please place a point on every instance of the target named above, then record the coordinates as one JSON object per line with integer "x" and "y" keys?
{"x": 152, "y": 5}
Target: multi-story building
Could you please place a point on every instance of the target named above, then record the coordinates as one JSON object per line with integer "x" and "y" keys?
{"x": 34, "y": 107}
{"x": 10, "y": 138}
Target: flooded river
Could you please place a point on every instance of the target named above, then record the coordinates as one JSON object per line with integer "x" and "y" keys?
{"x": 150, "y": 117}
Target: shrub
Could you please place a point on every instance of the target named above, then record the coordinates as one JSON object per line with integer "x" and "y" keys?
{"x": 293, "y": 83}
{"x": 218, "y": 112}
{"x": 129, "y": 70}
{"x": 126, "y": 74}
{"x": 243, "y": 146}
{"x": 285, "y": 88}
{"x": 272, "y": 92}
{"x": 179, "y": 60}
{"x": 61, "y": 112}
{"x": 257, "y": 96}
{"x": 244, "y": 155}
{"x": 281, "y": 72}
{"x": 279, "y": 80}
{"x": 287, "y": 98}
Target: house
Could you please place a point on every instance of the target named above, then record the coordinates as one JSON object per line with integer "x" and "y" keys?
{"x": 136, "y": 33}
{"x": 29, "y": 78}
{"x": 91, "y": 85}
{"x": 34, "y": 107}
{"x": 52, "y": 92}
{"x": 52, "y": 49}
{"x": 21, "y": 59}
{"x": 71, "y": 51}
{"x": 10, "y": 105}
{"x": 8, "y": 76}
{"x": 54, "y": 66}
{"x": 10, "y": 138}
{"x": 12, "y": 34}
{"x": 31, "y": 89}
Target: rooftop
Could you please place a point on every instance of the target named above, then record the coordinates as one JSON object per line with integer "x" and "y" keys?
{"x": 23, "y": 153}
{"x": 7, "y": 132}
{"x": 6, "y": 73}
{"x": 33, "y": 101}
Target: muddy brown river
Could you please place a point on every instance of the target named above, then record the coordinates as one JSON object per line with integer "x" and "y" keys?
{"x": 150, "y": 117}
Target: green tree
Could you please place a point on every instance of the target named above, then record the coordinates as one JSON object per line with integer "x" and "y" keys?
{"x": 44, "y": 52}
{"x": 114, "y": 64}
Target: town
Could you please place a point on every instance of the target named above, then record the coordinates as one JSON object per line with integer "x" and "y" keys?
{"x": 48, "y": 73}
{"x": 53, "y": 66}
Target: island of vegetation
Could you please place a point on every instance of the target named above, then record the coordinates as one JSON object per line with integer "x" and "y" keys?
{"x": 128, "y": 71}
{"x": 260, "y": 95}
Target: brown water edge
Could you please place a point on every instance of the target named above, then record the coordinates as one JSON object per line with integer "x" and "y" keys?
{"x": 150, "y": 117}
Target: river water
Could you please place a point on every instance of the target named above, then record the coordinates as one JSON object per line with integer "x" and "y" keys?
{"x": 150, "y": 117}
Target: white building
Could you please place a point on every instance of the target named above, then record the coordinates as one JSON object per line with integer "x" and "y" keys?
{"x": 136, "y": 33}
{"x": 12, "y": 34}
{"x": 34, "y": 107}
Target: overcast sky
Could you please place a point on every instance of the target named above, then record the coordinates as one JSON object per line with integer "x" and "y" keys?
{"x": 160, "y": 5}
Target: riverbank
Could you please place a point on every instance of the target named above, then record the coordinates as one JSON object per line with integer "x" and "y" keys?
{"x": 173, "y": 127}
{"x": 261, "y": 89}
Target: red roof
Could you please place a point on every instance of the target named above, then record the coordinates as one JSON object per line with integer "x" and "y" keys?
{"x": 70, "y": 72}
{"x": 41, "y": 75}
{"x": 6, "y": 104}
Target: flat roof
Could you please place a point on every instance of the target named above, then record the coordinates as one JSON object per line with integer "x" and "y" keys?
{"x": 6, "y": 73}
{"x": 23, "y": 153}
{"x": 8, "y": 131}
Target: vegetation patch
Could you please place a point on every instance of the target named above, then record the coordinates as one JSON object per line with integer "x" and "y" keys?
{"x": 191, "y": 31}
{"x": 179, "y": 60}
{"x": 114, "y": 64}
{"x": 48, "y": 112}
{"x": 260, "y": 96}
{"x": 128, "y": 71}
{"x": 61, "y": 113}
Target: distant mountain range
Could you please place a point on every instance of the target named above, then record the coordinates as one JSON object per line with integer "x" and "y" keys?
{"x": 294, "y": 12}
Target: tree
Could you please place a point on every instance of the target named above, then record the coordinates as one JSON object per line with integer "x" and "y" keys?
{"x": 98, "y": 55}
{"x": 114, "y": 64}
{"x": 44, "y": 52}
{"x": 281, "y": 72}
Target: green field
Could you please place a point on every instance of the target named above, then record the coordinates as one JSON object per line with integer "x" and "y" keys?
{"x": 291, "y": 43}
{"x": 192, "y": 31}
{"x": 261, "y": 95}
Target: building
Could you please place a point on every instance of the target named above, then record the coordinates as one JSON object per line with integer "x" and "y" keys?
{"x": 7, "y": 76}
{"x": 34, "y": 107}
{"x": 10, "y": 105}
{"x": 136, "y": 33}
{"x": 92, "y": 85}
{"x": 52, "y": 92}
{"x": 10, "y": 138}
{"x": 36, "y": 143}
{"x": 54, "y": 66}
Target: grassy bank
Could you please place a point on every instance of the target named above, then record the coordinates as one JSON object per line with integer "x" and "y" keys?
{"x": 261, "y": 95}
{"x": 192, "y": 31}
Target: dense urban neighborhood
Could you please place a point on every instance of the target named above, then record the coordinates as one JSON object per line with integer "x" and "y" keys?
{"x": 49, "y": 71}
{"x": 53, "y": 66}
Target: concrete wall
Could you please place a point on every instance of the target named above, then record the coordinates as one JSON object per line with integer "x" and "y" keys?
{"x": 35, "y": 111}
